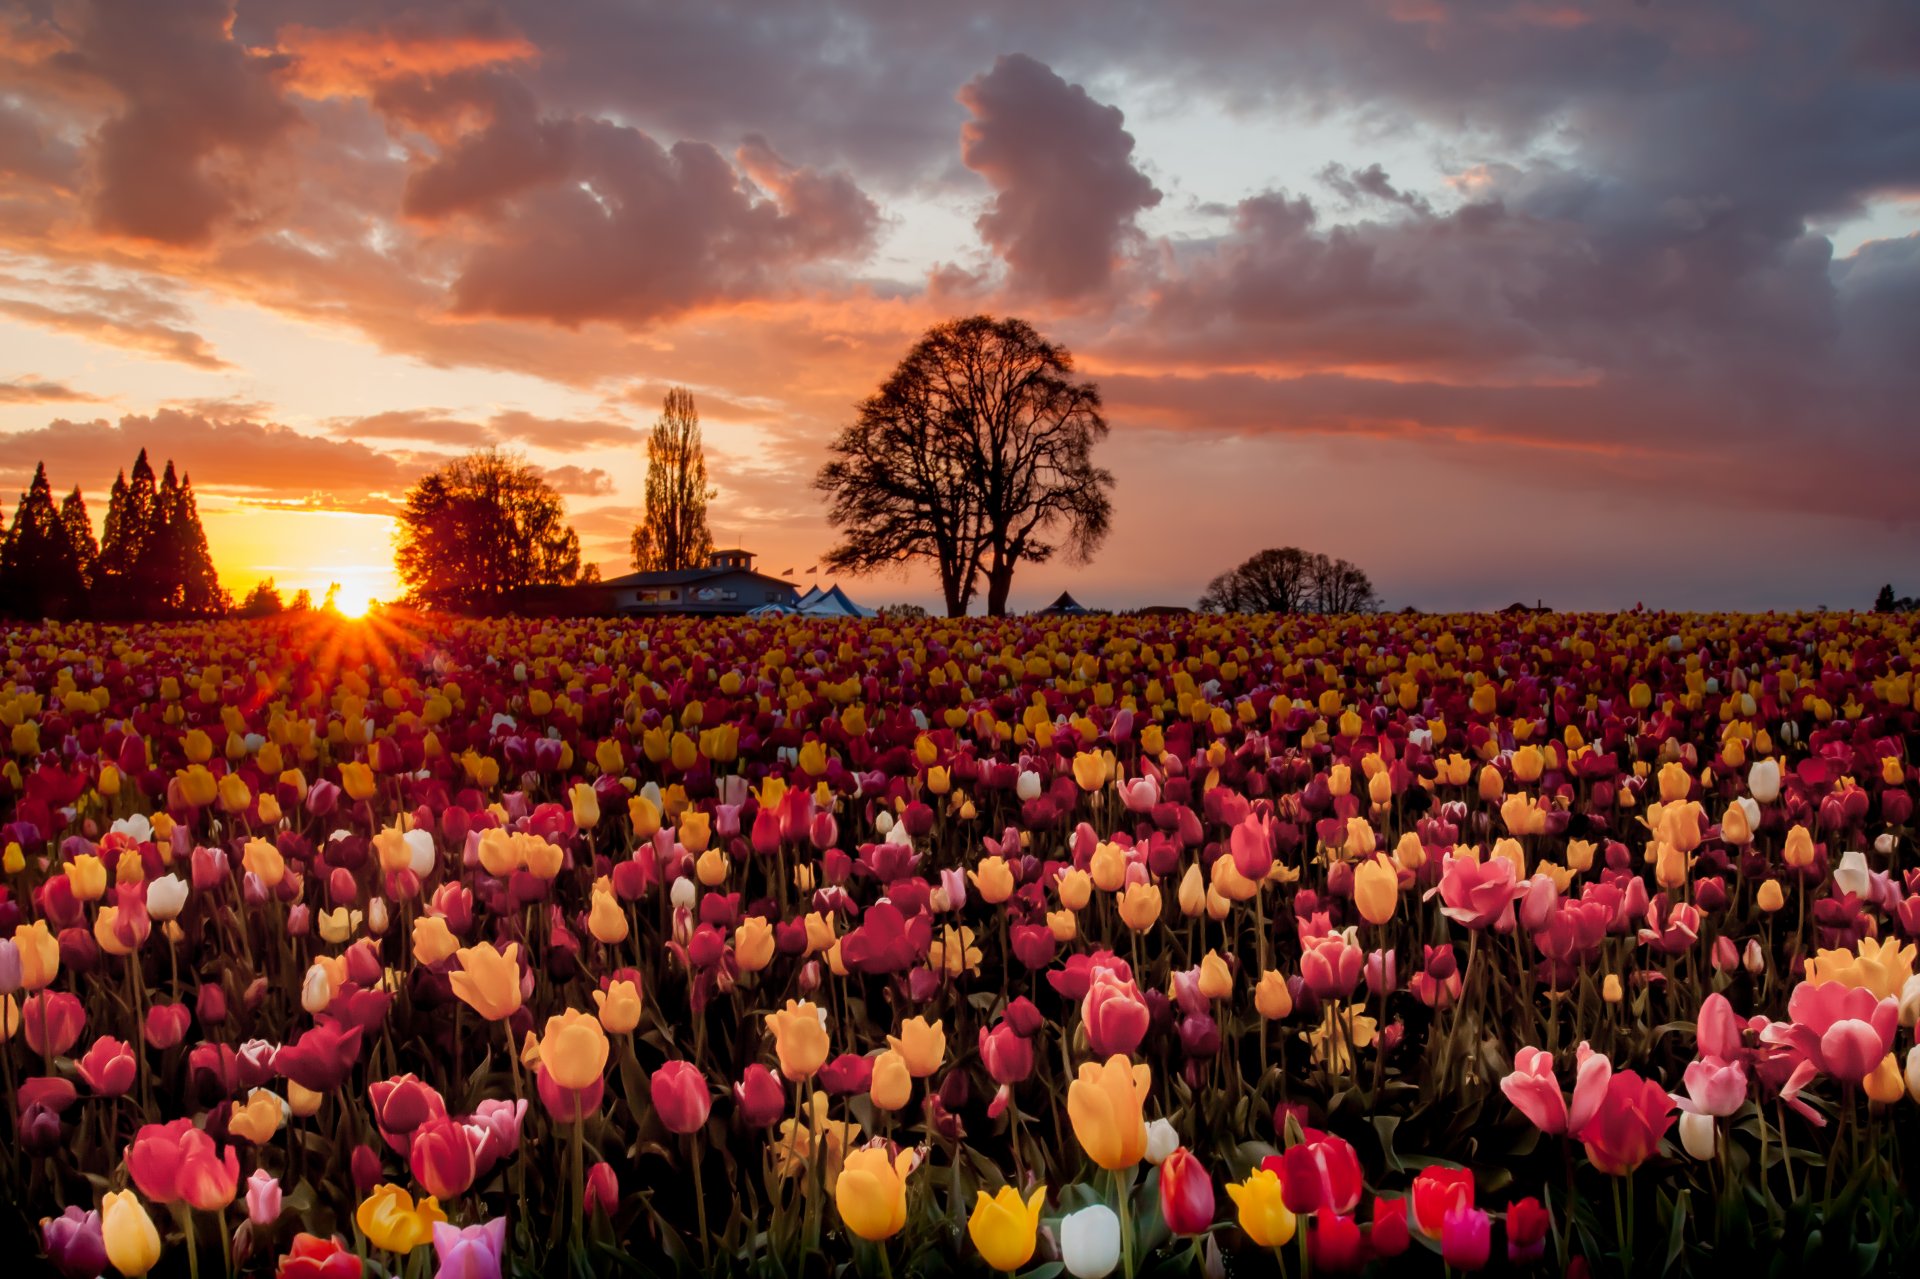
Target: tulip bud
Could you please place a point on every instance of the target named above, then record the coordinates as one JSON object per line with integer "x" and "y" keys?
{"x": 1089, "y": 1238}
{"x": 1753, "y": 958}
{"x": 1698, "y": 1135}
{"x": 1162, "y": 1141}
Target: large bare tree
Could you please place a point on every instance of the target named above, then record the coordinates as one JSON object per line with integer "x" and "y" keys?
{"x": 672, "y": 532}
{"x": 976, "y": 453}
{"x": 474, "y": 534}
{"x": 1287, "y": 579}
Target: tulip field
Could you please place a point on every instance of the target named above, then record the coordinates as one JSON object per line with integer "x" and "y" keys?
{"x": 1209, "y": 945}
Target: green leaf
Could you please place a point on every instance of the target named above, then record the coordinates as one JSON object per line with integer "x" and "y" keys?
{"x": 1677, "y": 1232}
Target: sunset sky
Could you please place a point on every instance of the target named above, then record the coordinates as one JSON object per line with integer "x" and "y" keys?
{"x": 1598, "y": 304}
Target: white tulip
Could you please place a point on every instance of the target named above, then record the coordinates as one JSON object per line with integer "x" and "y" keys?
{"x": 1090, "y": 1242}
{"x": 1698, "y": 1135}
{"x": 1913, "y": 1072}
{"x": 316, "y": 991}
{"x": 419, "y": 852}
{"x": 1763, "y": 780}
{"x": 883, "y": 822}
{"x": 1028, "y": 786}
{"x": 1910, "y": 1001}
{"x": 1752, "y": 811}
{"x": 684, "y": 893}
{"x": 137, "y": 826}
{"x": 1884, "y": 845}
{"x": 166, "y": 897}
{"x": 1162, "y": 1140}
{"x": 377, "y": 917}
{"x": 1852, "y": 875}
{"x": 732, "y": 789}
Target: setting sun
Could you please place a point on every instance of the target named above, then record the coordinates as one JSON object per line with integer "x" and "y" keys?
{"x": 352, "y": 601}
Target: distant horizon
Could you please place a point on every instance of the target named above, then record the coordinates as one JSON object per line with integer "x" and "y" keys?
{"x": 1595, "y": 304}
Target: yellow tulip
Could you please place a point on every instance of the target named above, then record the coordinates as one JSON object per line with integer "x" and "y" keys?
{"x": 1104, "y": 1104}
{"x": 606, "y": 921}
{"x": 390, "y": 1219}
{"x": 695, "y": 832}
{"x": 133, "y": 1245}
{"x": 234, "y": 795}
{"x": 488, "y": 981}
{"x": 892, "y": 1085}
{"x": 264, "y": 860}
{"x": 586, "y": 806}
{"x": 574, "y": 1049}
{"x": 1074, "y": 888}
{"x": 1216, "y": 979}
{"x": 433, "y": 941}
{"x": 993, "y": 879}
{"x": 922, "y": 1045}
{"x": 1263, "y": 1213}
{"x": 799, "y": 1040}
{"x": 1376, "y": 890}
{"x": 258, "y": 1119}
{"x": 1140, "y": 906}
{"x": 1798, "y": 851}
{"x": 644, "y": 815}
{"x": 872, "y": 1191}
{"x": 753, "y": 944}
{"x": 1770, "y": 898}
{"x": 87, "y": 877}
{"x": 39, "y": 954}
{"x": 620, "y": 1006}
{"x": 357, "y": 780}
{"x": 1003, "y": 1228}
{"x": 1272, "y": 997}
{"x": 1108, "y": 867}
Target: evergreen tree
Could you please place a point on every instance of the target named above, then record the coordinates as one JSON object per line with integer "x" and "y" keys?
{"x": 39, "y": 573}
{"x": 86, "y": 551}
{"x": 133, "y": 519}
{"x": 1885, "y": 601}
{"x": 174, "y": 576}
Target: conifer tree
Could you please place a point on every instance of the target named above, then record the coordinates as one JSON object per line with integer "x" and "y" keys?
{"x": 39, "y": 575}
{"x": 86, "y": 551}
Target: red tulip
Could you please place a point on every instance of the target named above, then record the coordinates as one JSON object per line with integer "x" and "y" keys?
{"x": 1186, "y": 1194}
{"x": 1115, "y": 1016}
{"x": 602, "y": 1190}
{"x": 109, "y": 1067}
{"x": 321, "y": 1058}
{"x": 167, "y": 1024}
{"x": 53, "y": 1020}
{"x": 1007, "y": 1055}
{"x": 400, "y": 1105}
{"x": 681, "y": 1096}
{"x": 1527, "y": 1226}
{"x": 1319, "y": 1171}
{"x": 443, "y": 1157}
{"x": 1387, "y": 1236}
{"x": 1436, "y": 1192}
{"x": 1334, "y": 1243}
{"x": 314, "y": 1258}
{"x": 1627, "y": 1128}
{"x": 758, "y": 1097}
{"x": 176, "y": 1162}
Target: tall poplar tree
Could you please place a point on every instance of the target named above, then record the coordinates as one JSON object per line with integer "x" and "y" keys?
{"x": 672, "y": 532}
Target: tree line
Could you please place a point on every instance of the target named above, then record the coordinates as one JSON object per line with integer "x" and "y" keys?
{"x": 974, "y": 456}
{"x": 150, "y": 562}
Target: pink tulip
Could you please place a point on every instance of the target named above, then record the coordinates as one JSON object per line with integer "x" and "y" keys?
{"x": 1479, "y": 893}
{"x": 1714, "y": 1087}
{"x": 1535, "y": 1092}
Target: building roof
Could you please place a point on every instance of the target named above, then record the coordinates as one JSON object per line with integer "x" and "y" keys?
{"x": 675, "y": 577}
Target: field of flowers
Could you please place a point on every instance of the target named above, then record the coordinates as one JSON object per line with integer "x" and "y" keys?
{"x": 1190, "y": 945}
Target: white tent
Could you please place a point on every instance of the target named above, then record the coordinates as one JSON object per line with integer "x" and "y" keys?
{"x": 832, "y": 602}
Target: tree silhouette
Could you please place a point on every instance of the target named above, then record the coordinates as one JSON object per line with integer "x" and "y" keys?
{"x": 263, "y": 600}
{"x": 476, "y": 533}
{"x": 86, "y": 551}
{"x": 131, "y": 526}
{"x": 1289, "y": 580}
{"x": 672, "y": 532}
{"x": 39, "y": 572}
{"x": 175, "y": 572}
{"x": 976, "y": 453}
